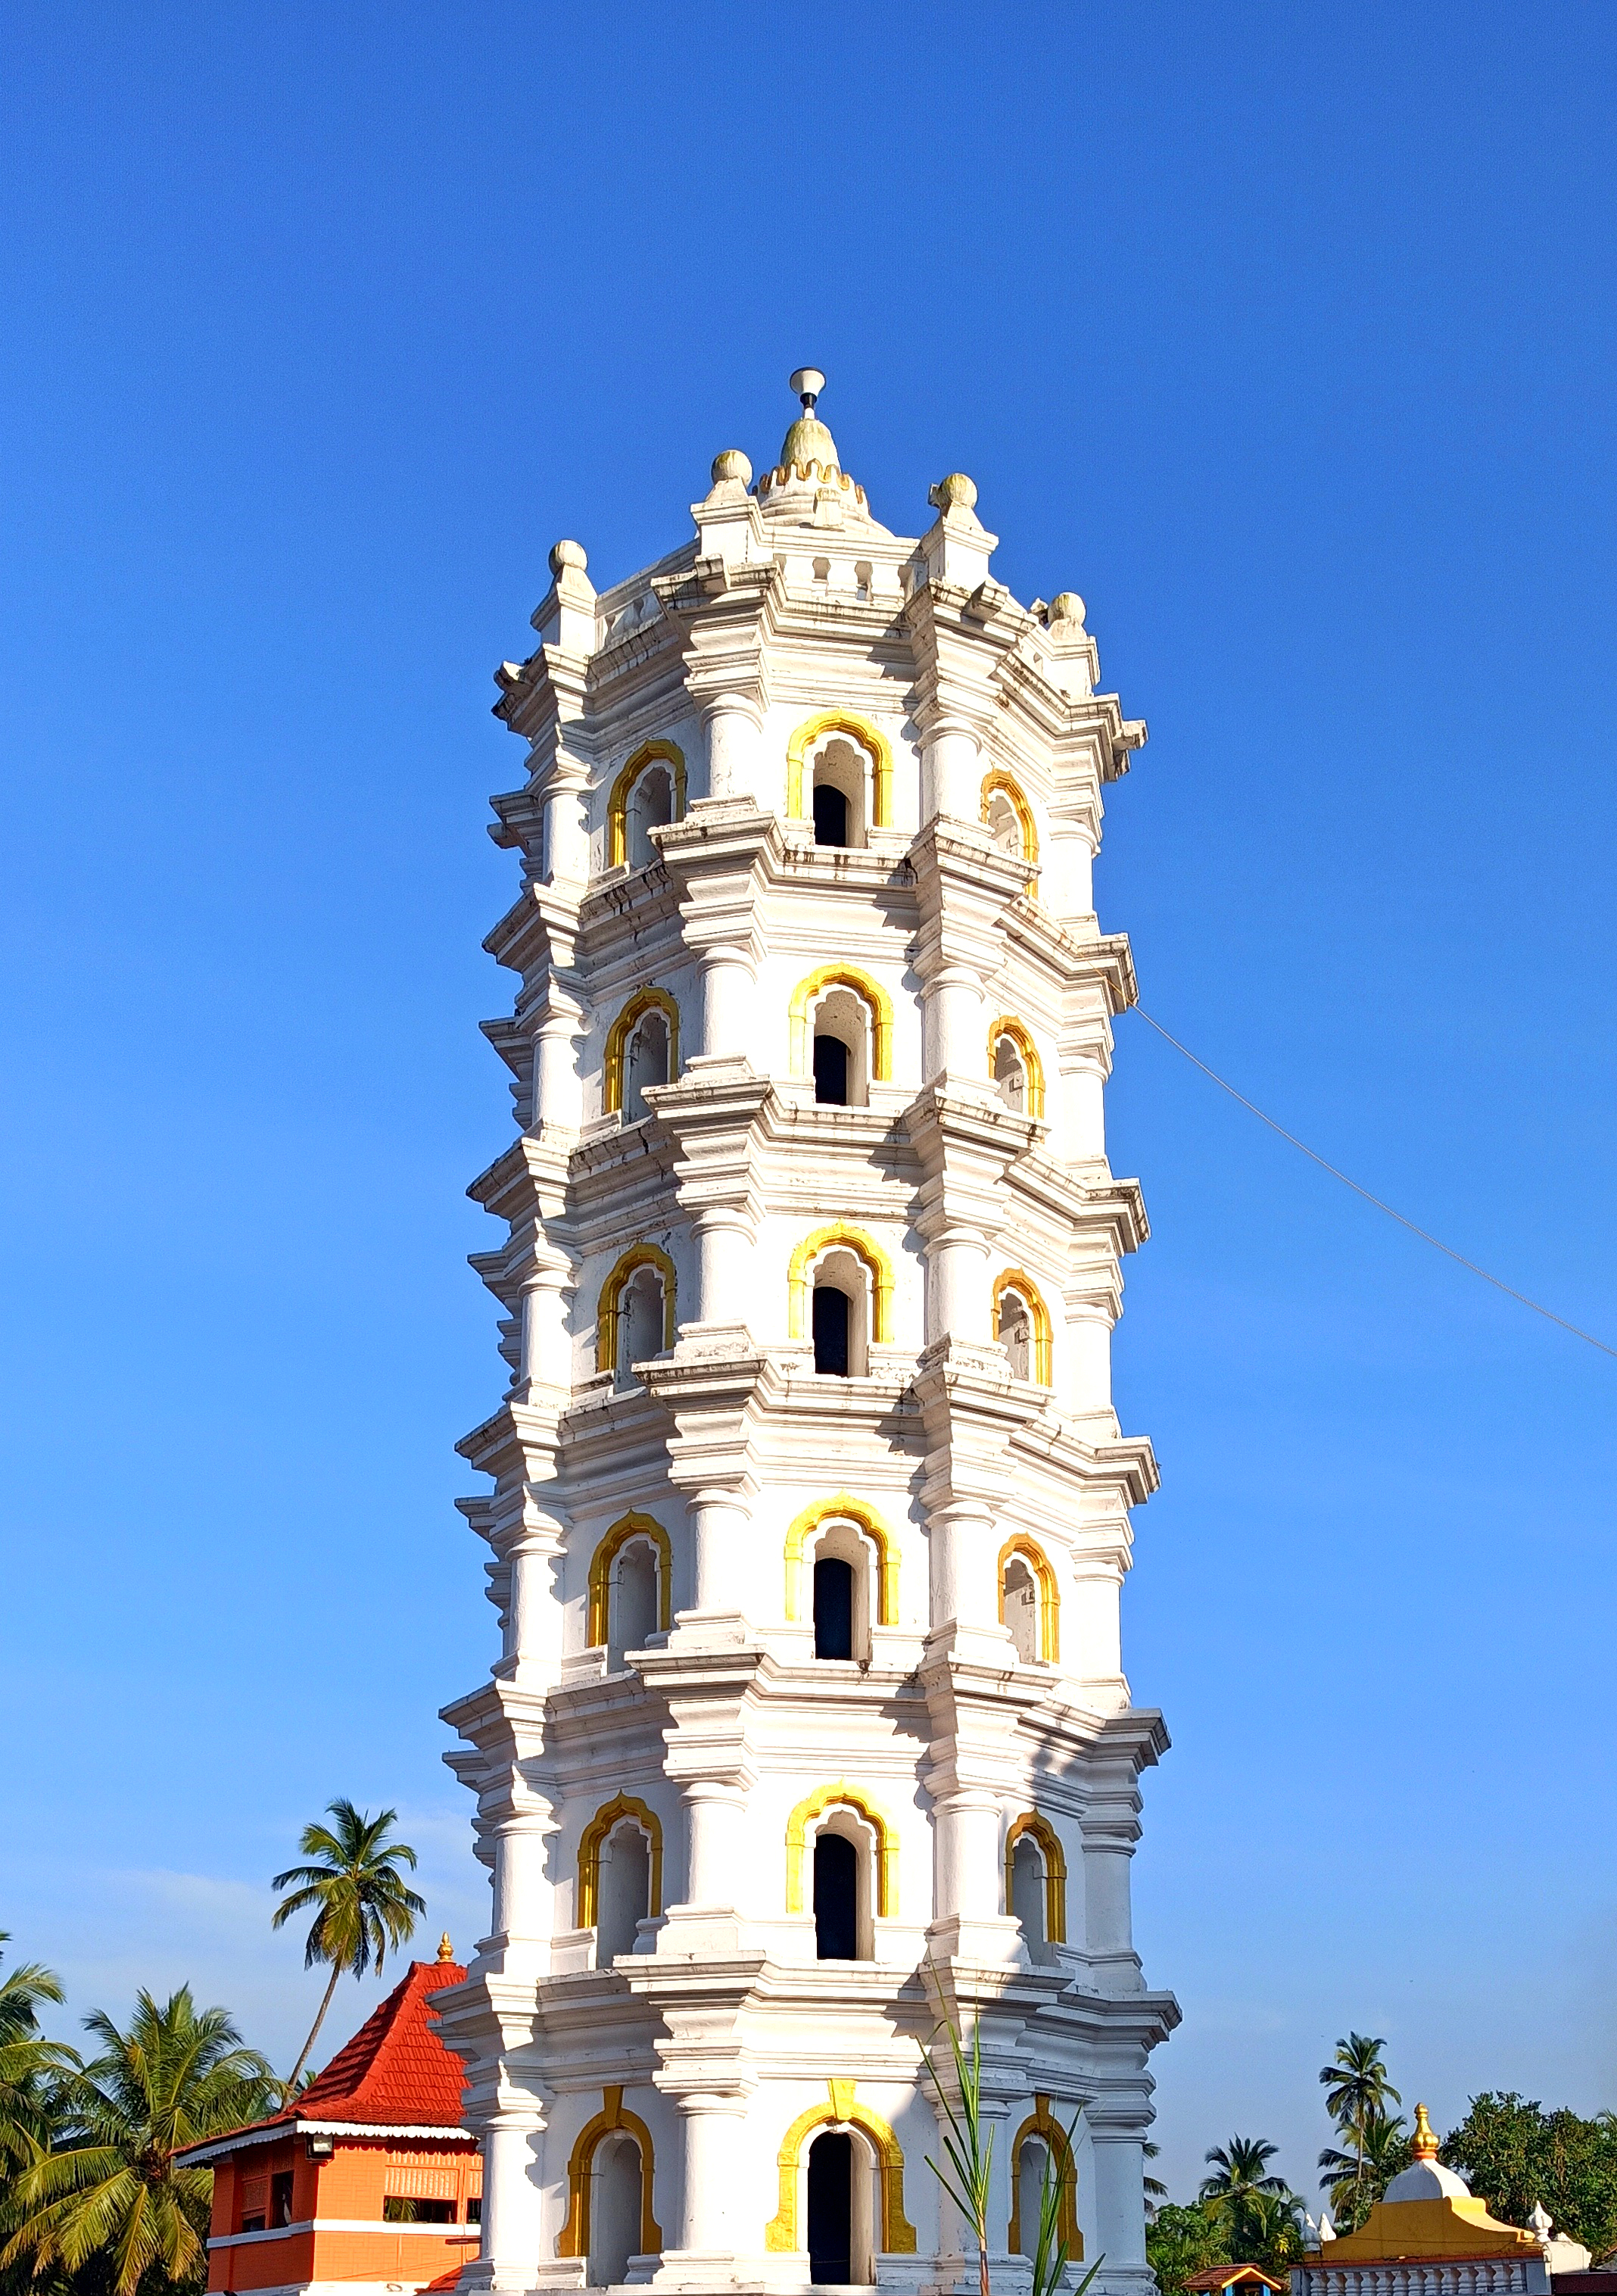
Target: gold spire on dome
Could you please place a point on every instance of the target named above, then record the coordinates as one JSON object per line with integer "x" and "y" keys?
{"x": 1423, "y": 2145}
{"x": 446, "y": 1951}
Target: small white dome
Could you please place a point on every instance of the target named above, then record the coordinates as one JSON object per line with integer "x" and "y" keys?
{"x": 1427, "y": 2180}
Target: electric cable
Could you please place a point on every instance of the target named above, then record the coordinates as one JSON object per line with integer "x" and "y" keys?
{"x": 1425, "y": 1234}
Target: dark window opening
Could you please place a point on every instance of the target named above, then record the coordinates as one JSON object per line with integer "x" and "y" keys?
{"x": 833, "y": 1609}
{"x": 831, "y": 816}
{"x": 252, "y": 2224}
{"x": 474, "y": 2208}
{"x": 835, "y": 1905}
{"x": 831, "y": 1070}
{"x": 281, "y": 2198}
{"x": 831, "y": 1331}
{"x": 399, "y": 2208}
{"x": 831, "y": 2209}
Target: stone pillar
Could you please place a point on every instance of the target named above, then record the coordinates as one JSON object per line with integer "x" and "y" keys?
{"x": 558, "y": 1088}
{"x": 567, "y": 821}
{"x": 547, "y": 1344}
{"x": 725, "y": 1278}
{"x": 951, "y": 771}
{"x": 524, "y": 1905}
{"x": 734, "y": 726}
{"x": 970, "y": 1865}
{"x": 511, "y": 2199}
{"x": 1120, "y": 2215}
{"x": 718, "y": 1521}
{"x": 727, "y": 1023}
{"x": 958, "y": 1286}
{"x": 954, "y": 1033}
{"x": 715, "y": 1810}
{"x": 963, "y": 1554}
{"x": 713, "y": 2122}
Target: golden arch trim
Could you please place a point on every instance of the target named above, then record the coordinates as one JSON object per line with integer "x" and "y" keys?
{"x": 649, "y": 1000}
{"x": 617, "y": 803}
{"x": 1028, "y": 1550}
{"x": 876, "y": 1001}
{"x": 1031, "y": 1826}
{"x": 1018, "y": 1279}
{"x": 1032, "y": 1067}
{"x": 574, "y": 2238}
{"x": 1042, "y": 2122}
{"x": 838, "y": 1235}
{"x": 640, "y": 1254}
{"x": 594, "y": 1835}
{"x": 841, "y": 2109}
{"x": 843, "y": 1508}
{"x": 841, "y": 1796}
{"x": 860, "y": 730}
{"x": 1000, "y": 783}
{"x": 612, "y": 1544}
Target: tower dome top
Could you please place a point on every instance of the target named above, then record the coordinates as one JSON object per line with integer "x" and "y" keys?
{"x": 809, "y": 480}
{"x": 808, "y": 440}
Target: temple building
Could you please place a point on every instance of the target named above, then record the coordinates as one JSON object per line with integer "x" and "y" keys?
{"x": 808, "y": 1509}
{"x": 369, "y": 2179}
{"x": 1428, "y": 2237}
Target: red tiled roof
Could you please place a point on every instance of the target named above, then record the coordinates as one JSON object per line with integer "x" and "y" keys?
{"x": 395, "y": 2071}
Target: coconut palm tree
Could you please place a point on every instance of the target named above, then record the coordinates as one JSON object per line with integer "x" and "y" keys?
{"x": 1358, "y": 2179}
{"x": 111, "y": 2188}
{"x": 1241, "y": 2166}
{"x": 30, "y": 2068}
{"x": 1357, "y": 2089}
{"x": 360, "y": 1902}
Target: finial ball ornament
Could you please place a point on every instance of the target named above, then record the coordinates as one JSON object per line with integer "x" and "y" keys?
{"x": 808, "y": 382}
{"x": 566, "y": 554}
{"x": 1423, "y": 2145}
{"x": 1068, "y": 607}
{"x": 732, "y": 464}
{"x": 956, "y": 492}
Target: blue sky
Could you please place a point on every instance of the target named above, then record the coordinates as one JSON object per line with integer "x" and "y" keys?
{"x": 1286, "y": 336}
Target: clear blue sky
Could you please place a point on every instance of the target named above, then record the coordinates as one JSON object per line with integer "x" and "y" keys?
{"x": 1286, "y": 336}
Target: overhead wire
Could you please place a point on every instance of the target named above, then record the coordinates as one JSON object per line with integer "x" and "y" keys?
{"x": 1390, "y": 1210}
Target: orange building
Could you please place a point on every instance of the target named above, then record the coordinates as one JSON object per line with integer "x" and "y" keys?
{"x": 370, "y": 2177}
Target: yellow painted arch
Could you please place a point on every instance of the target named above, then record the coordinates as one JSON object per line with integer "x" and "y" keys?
{"x": 876, "y": 1001}
{"x": 841, "y": 2109}
{"x": 1000, "y": 783}
{"x": 1042, "y": 2122}
{"x": 649, "y": 1000}
{"x": 1018, "y": 1279}
{"x": 1032, "y": 1067}
{"x": 840, "y": 1509}
{"x": 1044, "y": 1833}
{"x": 617, "y": 803}
{"x": 841, "y": 1796}
{"x": 574, "y": 2238}
{"x": 1049, "y": 1592}
{"x": 613, "y": 1542}
{"x": 595, "y": 1832}
{"x": 860, "y": 730}
{"x": 640, "y": 1254}
{"x": 838, "y": 1235}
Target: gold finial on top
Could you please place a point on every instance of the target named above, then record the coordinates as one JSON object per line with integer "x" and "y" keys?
{"x": 1423, "y": 2145}
{"x": 446, "y": 1953}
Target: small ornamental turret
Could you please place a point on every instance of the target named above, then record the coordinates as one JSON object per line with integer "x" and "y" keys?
{"x": 808, "y": 1509}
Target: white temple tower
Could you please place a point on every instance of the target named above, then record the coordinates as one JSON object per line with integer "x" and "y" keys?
{"x": 810, "y": 1510}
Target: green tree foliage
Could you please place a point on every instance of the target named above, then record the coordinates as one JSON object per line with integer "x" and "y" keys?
{"x": 1514, "y": 2155}
{"x": 107, "y": 2202}
{"x": 31, "y": 2068}
{"x": 1259, "y": 2214}
{"x": 358, "y": 1898}
{"x": 1359, "y": 2179}
{"x": 1357, "y": 2095}
{"x": 1180, "y": 2241}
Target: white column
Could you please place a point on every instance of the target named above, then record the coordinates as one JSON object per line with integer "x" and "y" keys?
{"x": 725, "y": 1279}
{"x": 963, "y": 1555}
{"x": 715, "y": 1811}
{"x": 1120, "y": 2207}
{"x": 959, "y": 1291}
{"x": 735, "y": 747}
{"x": 970, "y": 1865}
{"x": 524, "y": 1899}
{"x": 567, "y": 821}
{"x": 510, "y": 2239}
{"x": 954, "y": 1033}
{"x": 718, "y": 1519}
{"x": 547, "y": 1344}
{"x": 558, "y": 1089}
{"x": 728, "y": 1020}
{"x": 951, "y": 771}
{"x": 534, "y": 1614}
{"x": 713, "y": 2128}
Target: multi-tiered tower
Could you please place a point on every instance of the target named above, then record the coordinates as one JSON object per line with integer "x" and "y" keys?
{"x": 810, "y": 1508}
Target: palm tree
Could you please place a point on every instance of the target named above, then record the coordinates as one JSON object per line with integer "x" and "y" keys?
{"x": 30, "y": 2068}
{"x": 1239, "y": 2168}
{"x": 1356, "y": 2088}
{"x": 361, "y": 1903}
{"x": 1154, "y": 2189}
{"x": 1358, "y": 2178}
{"x": 176, "y": 2076}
